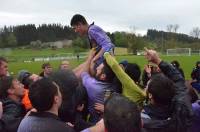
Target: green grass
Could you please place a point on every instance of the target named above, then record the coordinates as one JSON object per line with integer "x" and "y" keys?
{"x": 16, "y": 57}
{"x": 35, "y": 67}
{"x": 35, "y": 52}
{"x": 28, "y": 54}
{"x": 187, "y": 63}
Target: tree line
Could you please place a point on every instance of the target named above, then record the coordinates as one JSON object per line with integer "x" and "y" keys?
{"x": 22, "y": 35}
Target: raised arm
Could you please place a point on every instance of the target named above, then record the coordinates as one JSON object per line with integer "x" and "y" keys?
{"x": 182, "y": 110}
{"x": 84, "y": 67}
{"x": 130, "y": 89}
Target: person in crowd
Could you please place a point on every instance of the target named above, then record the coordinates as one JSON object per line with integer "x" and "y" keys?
{"x": 67, "y": 82}
{"x": 81, "y": 104}
{"x": 195, "y": 107}
{"x": 120, "y": 115}
{"x": 78, "y": 57}
{"x": 26, "y": 78}
{"x": 149, "y": 71}
{"x": 169, "y": 107}
{"x": 97, "y": 37}
{"x": 128, "y": 78}
{"x": 126, "y": 117}
{"x": 196, "y": 77}
{"x": 95, "y": 86}
{"x": 127, "y": 81}
{"x": 46, "y": 118}
{"x": 74, "y": 99}
{"x": 176, "y": 64}
{"x": 3, "y": 67}
{"x": 47, "y": 70}
{"x": 11, "y": 94}
{"x": 64, "y": 65}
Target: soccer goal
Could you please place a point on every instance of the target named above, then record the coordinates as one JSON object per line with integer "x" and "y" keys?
{"x": 179, "y": 52}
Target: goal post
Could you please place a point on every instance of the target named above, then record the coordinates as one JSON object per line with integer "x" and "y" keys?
{"x": 179, "y": 52}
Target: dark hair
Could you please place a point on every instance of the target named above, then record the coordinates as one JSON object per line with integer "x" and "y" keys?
{"x": 45, "y": 65}
{"x": 116, "y": 85}
{"x": 76, "y": 19}
{"x": 162, "y": 89}
{"x": 5, "y": 84}
{"x": 108, "y": 72}
{"x": 81, "y": 95}
{"x": 197, "y": 63}
{"x": 2, "y": 59}
{"x": 134, "y": 72}
{"x": 68, "y": 82}
{"x": 121, "y": 115}
{"x": 42, "y": 93}
{"x": 23, "y": 77}
{"x": 175, "y": 63}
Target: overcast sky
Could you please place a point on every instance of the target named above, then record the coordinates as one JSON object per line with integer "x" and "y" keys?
{"x": 111, "y": 15}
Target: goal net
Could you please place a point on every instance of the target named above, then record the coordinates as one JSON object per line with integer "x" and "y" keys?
{"x": 179, "y": 52}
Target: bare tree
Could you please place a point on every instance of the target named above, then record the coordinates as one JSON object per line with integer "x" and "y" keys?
{"x": 195, "y": 32}
{"x": 133, "y": 29}
{"x": 169, "y": 27}
{"x": 175, "y": 27}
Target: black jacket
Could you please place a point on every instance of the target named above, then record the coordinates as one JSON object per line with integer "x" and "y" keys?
{"x": 13, "y": 112}
{"x": 43, "y": 122}
{"x": 180, "y": 119}
{"x": 196, "y": 74}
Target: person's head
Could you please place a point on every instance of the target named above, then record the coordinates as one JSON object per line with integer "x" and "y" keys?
{"x": 79, "y": 24}
{"x": 68, "y": 83}
{"x": 121, "y": 115}
{"x": 104, "y": 73}
{"x": 160, "y": 90}
{"x": 64, "y": 65}
{"x": 47, "y": 69}
{"x": 123, "y": 64}
{"x": 3, "y": 67}
{"x": 175, "y": 63}
{"x": 134, "y": 72}
{"x": 80, "y": 98}
{"x": 66, "y": 80}
{"x": 11, "y": 88}
{"x": 26, "y": 78}
{"x": 198, "y": 64}
{"x": 45, "y": 95}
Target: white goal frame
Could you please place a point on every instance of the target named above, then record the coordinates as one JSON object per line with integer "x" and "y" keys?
{"x": 179, "y": 52}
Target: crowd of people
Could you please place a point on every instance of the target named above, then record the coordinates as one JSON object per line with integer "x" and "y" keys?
{"x": 101, "y": 94}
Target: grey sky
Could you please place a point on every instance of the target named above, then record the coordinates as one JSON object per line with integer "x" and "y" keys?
{"x": 111, "y": 15}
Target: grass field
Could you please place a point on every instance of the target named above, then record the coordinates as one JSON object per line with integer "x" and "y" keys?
{"x": 187, "y": 62}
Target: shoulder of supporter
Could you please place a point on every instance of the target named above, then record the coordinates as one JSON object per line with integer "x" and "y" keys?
{"x": 85, "y": 75}
{"x": 87, "y": 78}
{"x": 14, "y": 108}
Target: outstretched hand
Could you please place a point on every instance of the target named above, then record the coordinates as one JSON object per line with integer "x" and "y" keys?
{"x": 147, "y": 68}
{"x": 152, "y": 56}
